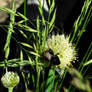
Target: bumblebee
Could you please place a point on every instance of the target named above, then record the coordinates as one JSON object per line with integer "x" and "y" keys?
{"x": 49, "y": 57}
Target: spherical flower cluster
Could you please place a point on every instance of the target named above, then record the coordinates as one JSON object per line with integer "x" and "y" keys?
{"x": 63, "y": 48}
{"x": 10, "y": 79}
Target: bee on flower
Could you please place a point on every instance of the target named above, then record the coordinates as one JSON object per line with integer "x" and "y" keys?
{"x": 61, "y": 48}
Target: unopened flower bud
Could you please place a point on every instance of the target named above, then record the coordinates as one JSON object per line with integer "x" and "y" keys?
{"x": 10, "y": 79}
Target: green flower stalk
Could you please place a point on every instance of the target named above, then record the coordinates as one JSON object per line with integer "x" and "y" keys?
{"x": 10, "y": 79}
{"x": 63, "y": 48}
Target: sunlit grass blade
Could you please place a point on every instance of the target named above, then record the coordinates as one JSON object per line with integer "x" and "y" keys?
{"x": 8, "y": 10}
{"x": 24, "y": 35}
{"x": 34, "y": 53}
{"x": 12, "y": 19}
{"x": 52, "y": 7}
{"x": 21, "y": 56}
{"x": 53, "y": 19}
{"x": 27, "y": 28}
{"x": 82, "y": 20}
{"x": 26, "y": 45}
{"x": 22, "y": 16}
{"x": 88, "y": 62}
{"x": 85, "y": 58}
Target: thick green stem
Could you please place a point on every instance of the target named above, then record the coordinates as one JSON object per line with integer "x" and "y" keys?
{"x": 38, "y": 79}
{"x": 10, "y": 89}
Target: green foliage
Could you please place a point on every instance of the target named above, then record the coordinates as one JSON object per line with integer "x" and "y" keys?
{"x": 35, "y": 44}
{"x": 8, "y": 10}
{"x": 50, "y": 81}
{"x": 82, "y": 21}
{"x": 88, "y": 62}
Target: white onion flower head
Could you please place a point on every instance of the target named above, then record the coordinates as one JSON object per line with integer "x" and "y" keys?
{"x": 10, "y": 79}
{"x": 63, "y": 48}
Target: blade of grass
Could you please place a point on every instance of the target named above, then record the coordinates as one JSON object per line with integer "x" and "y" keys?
{"x": 50, "y": 81}
{"x": 89, "y": 15}
{"x": 8, "y": 10}
{"x": 7, "y": 44}
{"x": 85, "y": 56}
{"x": 81, "y": 67}
{"x": 80, "y": 20}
